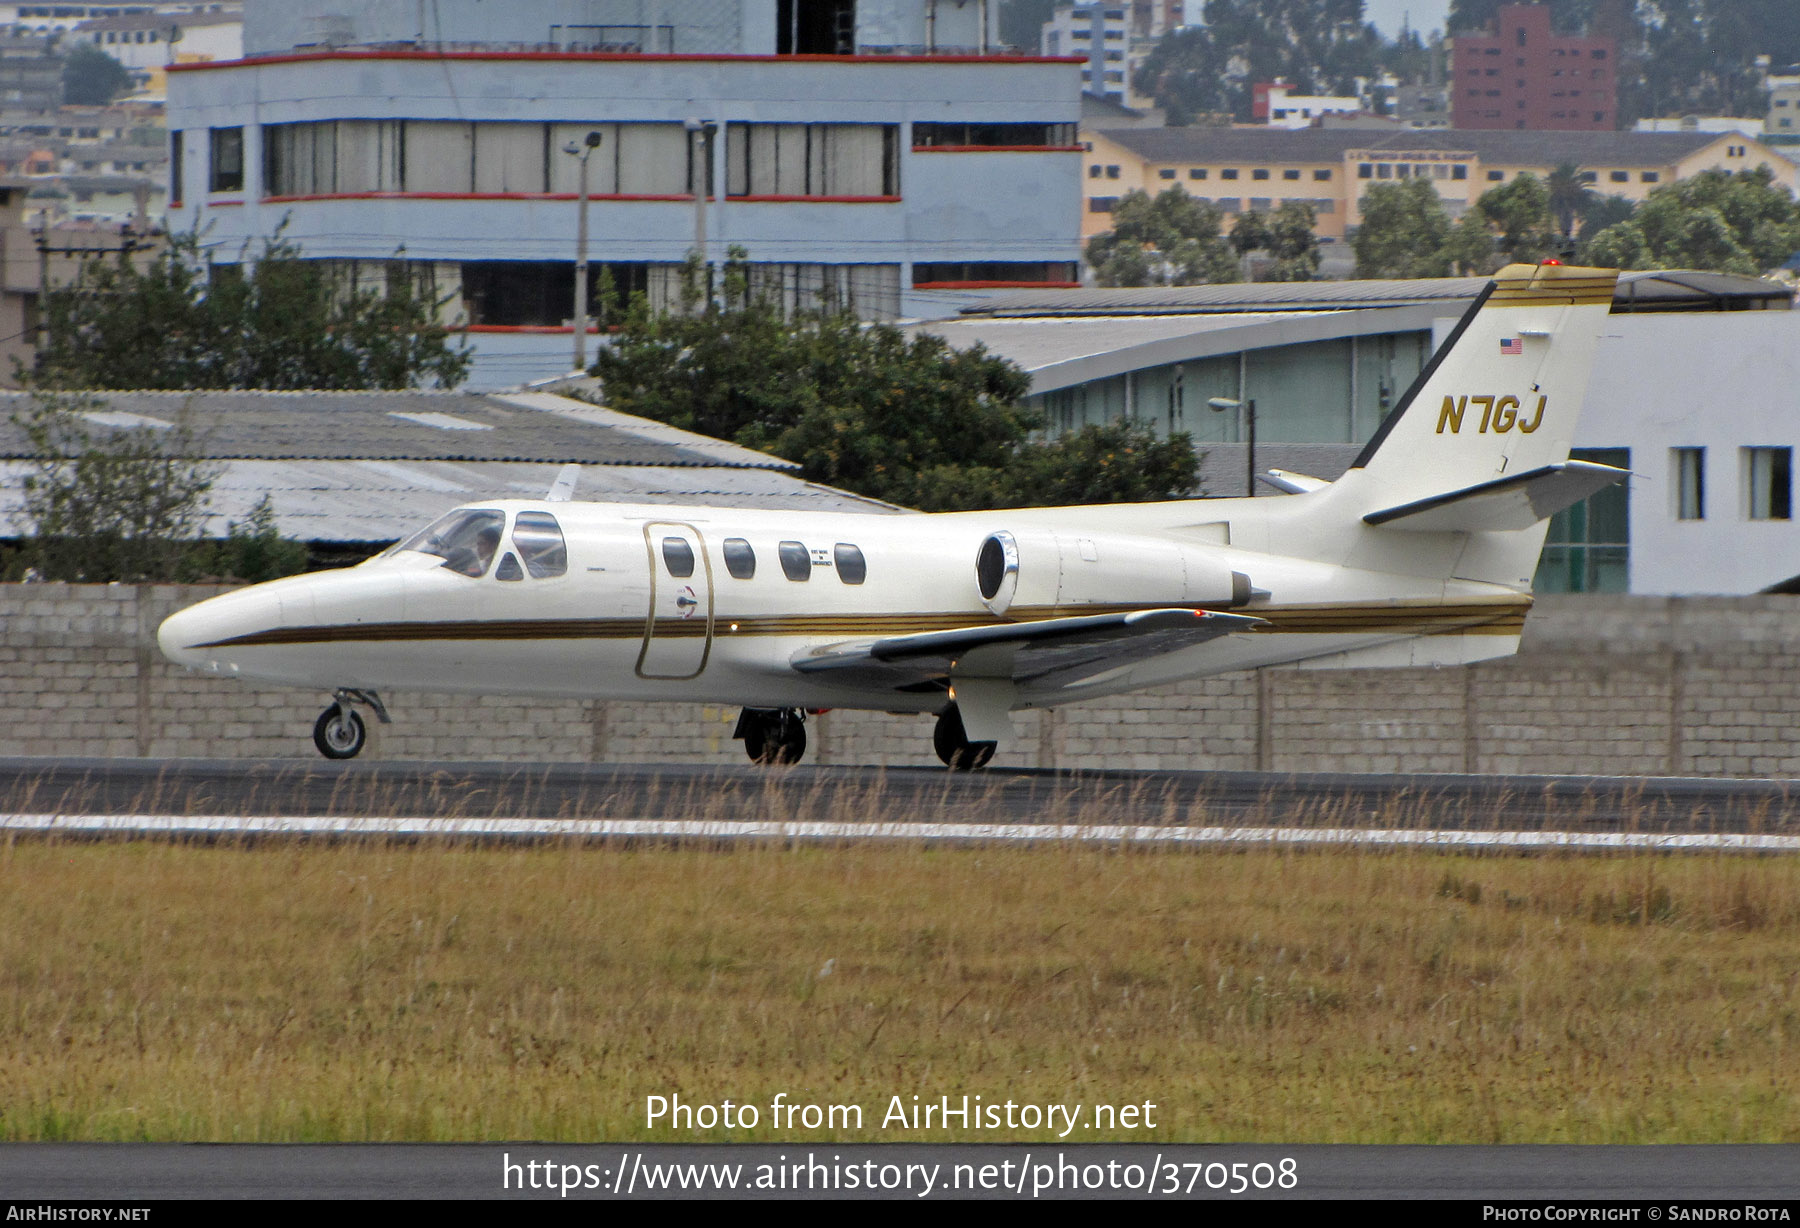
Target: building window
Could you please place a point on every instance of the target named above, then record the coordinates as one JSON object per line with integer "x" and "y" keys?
{"x": 175, "y": 167}
{"x": 227, "y": 174}
{"x": 812, "y": 160}
{"x": 1004, "y": 273}
{"x": 1384, "y": 170}
{"x": 1649, "y": 177}
{"x": 1228, "y": 173}
{"x": 1770, "y": 483}
{"x": 1197, "y": 172}
{"x": 1291, "y": 174}
{"x": 1102, "y": 204}
{"x": 1364, "y": 170}
{"x": 1093, "y": 172}
{"x": 1588, "y": 547}
{"x": 1323, "y": 176}
{"x": 1112, "y": 172}
{"x": 1690, "y": 483}
{"x": 1459, "y": 171}
{"x": 1166, "y": 173}
{"x": 1496, "y": 176}
{"x": 1259, "y": 173}
{"x": 992, "y": 136}
{"x": 1620, "y": 176}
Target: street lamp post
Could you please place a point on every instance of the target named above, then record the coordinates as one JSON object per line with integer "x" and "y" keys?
{"x": 1221, "y": 405}
{"x": 589, "y": 144}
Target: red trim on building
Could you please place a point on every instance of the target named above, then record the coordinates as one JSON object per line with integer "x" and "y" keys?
{"x": 998, "y": 149}
{"x": 816, "y": 200}
{"x": 624, "y": 196}
{"x": 220, "y": 204}
{"x": 347, "y": 53}
{"x": 996, "y": 285}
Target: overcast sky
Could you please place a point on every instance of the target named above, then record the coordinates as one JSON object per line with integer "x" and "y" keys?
{"x": 1423, "y": 15}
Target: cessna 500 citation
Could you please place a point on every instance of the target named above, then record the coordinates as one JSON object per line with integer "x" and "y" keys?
{"x": 1421, "y": 554}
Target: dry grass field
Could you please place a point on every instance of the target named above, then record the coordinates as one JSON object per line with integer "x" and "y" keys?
{"x": 373, "y": 992}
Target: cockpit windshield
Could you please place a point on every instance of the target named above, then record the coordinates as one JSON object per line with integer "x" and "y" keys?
{"x": 466, "y": 540}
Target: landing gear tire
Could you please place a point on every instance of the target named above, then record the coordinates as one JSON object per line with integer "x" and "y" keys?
{"x": 339, "y": 732}
{"x": 952, "y": 743}
{"x": 773, "y": 735}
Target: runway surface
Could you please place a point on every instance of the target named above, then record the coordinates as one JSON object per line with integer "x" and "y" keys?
{"x": 227, "y": 798}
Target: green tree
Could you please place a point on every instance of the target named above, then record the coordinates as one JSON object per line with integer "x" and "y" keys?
{"x": 1172, "y": 239}
{"x": 867, "y": 407}
{"x": 1730, "y": 223}
{"x": 1403, "y": 233}
{"x": 1569, "y": 197}
{"x": 1469, "y": 249}
{"x": 127, "y": 505}
{"x": 1602, "y": 211}
{"x": 278, "y": 321}
{"x": 1293, "y": 242}
{"x": 1120, "y": 462}
{"x": 91, "y": 78}
{"x": 1520, "y": 211}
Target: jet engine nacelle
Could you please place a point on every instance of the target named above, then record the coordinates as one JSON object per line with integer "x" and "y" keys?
{"x": 1042, "y": 568}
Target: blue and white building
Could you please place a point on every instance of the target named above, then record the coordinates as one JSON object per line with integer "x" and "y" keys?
{"x": 884, "y": 153}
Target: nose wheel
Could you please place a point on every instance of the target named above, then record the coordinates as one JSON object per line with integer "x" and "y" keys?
{"x": 772, "y": 735}
{"x": 951, "y": 741}
{"x": 340, "y": 733}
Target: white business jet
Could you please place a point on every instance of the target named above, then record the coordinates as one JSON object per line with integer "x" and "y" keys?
{"x": 1421, "y": 554}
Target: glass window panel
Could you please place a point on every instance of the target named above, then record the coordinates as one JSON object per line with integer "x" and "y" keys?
{"x": 439, "y": 156}
{"x": 796, "y": 562}
{"x": 740, "y": 558}
{"x": 678, "y": 556}
{"x": 852, "y": 568}
{"x": 509, "y": 568}
{"x": 539, "y": 541}
{"x": 465, "y": 540}
{"x": 509, "y": 158}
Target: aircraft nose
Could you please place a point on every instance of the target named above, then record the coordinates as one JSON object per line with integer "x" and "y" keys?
{"x": 179, "y": 634}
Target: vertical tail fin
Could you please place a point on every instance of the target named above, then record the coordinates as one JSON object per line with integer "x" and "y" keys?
{"x": 1502, "y": 394}
{"x": 1480, "y": 443}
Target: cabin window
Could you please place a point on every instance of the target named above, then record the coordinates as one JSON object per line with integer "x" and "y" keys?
{"x": 509, "y": 568}
{"x": 740, "y": 559}
{"x": 796, "y": 563}
{"x": 465, "y": 540}
{"x": 539, "y": 541}
{"x": 851, "y": 566}
{"x": 678, "y": 556}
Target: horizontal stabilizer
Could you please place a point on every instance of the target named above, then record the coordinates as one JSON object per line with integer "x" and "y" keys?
{"x": 1291, "y": 482}
{"x": 1054, "y": 650}
{"x": 1516, "y": 502}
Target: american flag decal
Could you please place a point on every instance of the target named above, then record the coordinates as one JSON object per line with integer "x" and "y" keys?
{"x": 1512, "y": 345}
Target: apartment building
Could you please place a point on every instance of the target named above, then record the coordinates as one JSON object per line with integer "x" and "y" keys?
{"x": 888, "y": 154}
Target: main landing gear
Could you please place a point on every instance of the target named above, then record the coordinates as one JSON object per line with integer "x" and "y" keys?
{"x": 339, "y": 733}
{"x": 772, "y": 735}
{"x": 952, "y": 743}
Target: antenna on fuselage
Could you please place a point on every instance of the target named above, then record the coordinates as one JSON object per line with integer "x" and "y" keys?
{"x": 563, "y": 488}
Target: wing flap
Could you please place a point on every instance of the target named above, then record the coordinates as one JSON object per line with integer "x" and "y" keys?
{"x": 1048, "y": 652}
{"x": 1516, "y": 502}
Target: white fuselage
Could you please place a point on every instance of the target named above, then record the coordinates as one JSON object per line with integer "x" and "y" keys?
{"x": 630, "y": 617}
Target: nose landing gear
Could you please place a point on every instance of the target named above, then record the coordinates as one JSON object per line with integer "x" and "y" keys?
{"x": 339, "y": 733}
{"x": 772, "y": 735}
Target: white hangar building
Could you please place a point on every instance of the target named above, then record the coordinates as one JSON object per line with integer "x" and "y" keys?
{"x": 1696, "y": 391}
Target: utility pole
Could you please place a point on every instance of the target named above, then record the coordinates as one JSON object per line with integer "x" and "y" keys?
{"x": 581, "y": 152}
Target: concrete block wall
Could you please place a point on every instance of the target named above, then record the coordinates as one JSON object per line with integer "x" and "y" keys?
{"x": 1617, "y": 685}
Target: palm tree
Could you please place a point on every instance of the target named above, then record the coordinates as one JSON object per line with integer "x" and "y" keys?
{"x": 1569, "y": 197}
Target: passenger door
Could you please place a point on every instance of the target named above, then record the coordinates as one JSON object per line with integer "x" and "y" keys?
{"x": 678, "y": 627}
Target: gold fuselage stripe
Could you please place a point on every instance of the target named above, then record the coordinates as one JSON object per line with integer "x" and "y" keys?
{"x": 1482, "y": 618}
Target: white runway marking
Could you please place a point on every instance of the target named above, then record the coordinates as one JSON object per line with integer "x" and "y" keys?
{"x": 1009, "y": 833}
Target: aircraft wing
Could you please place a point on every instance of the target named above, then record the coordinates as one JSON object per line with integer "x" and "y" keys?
{"x": 1052, "y": 651}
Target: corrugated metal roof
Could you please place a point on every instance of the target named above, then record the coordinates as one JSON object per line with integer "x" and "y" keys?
{"x": 1236, "y": 296}
{"x": 524, "y": 427}
{"x": 1701, "y": 290}
{"x": 380, "y": 501}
